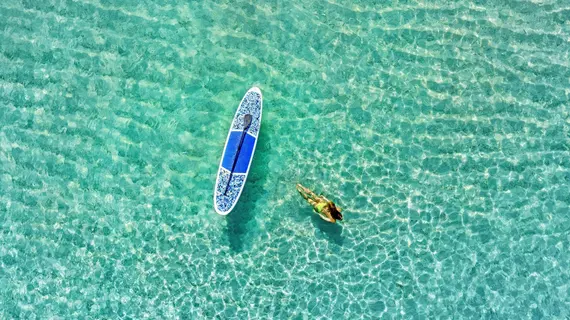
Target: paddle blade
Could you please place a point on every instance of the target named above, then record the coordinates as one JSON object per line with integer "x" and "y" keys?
{"x": 247, "y": 120}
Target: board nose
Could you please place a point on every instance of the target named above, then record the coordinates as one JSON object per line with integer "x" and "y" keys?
{"x": 255, "y": 89}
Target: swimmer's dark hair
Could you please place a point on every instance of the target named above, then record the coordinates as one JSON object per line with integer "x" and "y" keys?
{"x": 335, "y": 212}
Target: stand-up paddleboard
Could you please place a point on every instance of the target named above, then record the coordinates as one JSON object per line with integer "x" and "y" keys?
{"x": 238, "y": 152}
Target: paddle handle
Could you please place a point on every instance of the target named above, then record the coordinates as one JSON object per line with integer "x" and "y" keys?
{"x": 236, "y": 156}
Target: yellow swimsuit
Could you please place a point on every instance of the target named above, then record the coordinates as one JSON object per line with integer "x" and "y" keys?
{"x": 319, "y": 207}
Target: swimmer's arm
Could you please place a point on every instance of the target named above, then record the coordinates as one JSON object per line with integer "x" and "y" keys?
{"x": 327, "y": 219}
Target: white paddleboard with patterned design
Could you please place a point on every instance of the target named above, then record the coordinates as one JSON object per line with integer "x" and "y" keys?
{"x": 238, "y": 152}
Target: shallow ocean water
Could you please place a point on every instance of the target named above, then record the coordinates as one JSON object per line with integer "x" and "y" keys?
{"x": 441, "y": 128}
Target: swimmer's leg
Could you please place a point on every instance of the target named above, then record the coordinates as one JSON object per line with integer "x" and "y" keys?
{"x": 302, "y": 192}
{"x": 306, "y": 193}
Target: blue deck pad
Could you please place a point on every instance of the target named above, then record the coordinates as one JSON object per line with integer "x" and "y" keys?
{"x": 244, "y": 155}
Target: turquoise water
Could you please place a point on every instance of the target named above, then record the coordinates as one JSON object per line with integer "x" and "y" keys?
{"x": 441, "y": 128}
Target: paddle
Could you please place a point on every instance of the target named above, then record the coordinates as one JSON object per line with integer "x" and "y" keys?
{"x": 246, "y": 124}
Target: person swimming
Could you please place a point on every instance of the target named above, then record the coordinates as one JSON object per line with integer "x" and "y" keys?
{"x": 326, "y": 209}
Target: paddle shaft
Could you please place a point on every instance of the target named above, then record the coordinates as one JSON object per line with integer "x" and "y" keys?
{"x": 244, "y": 132}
